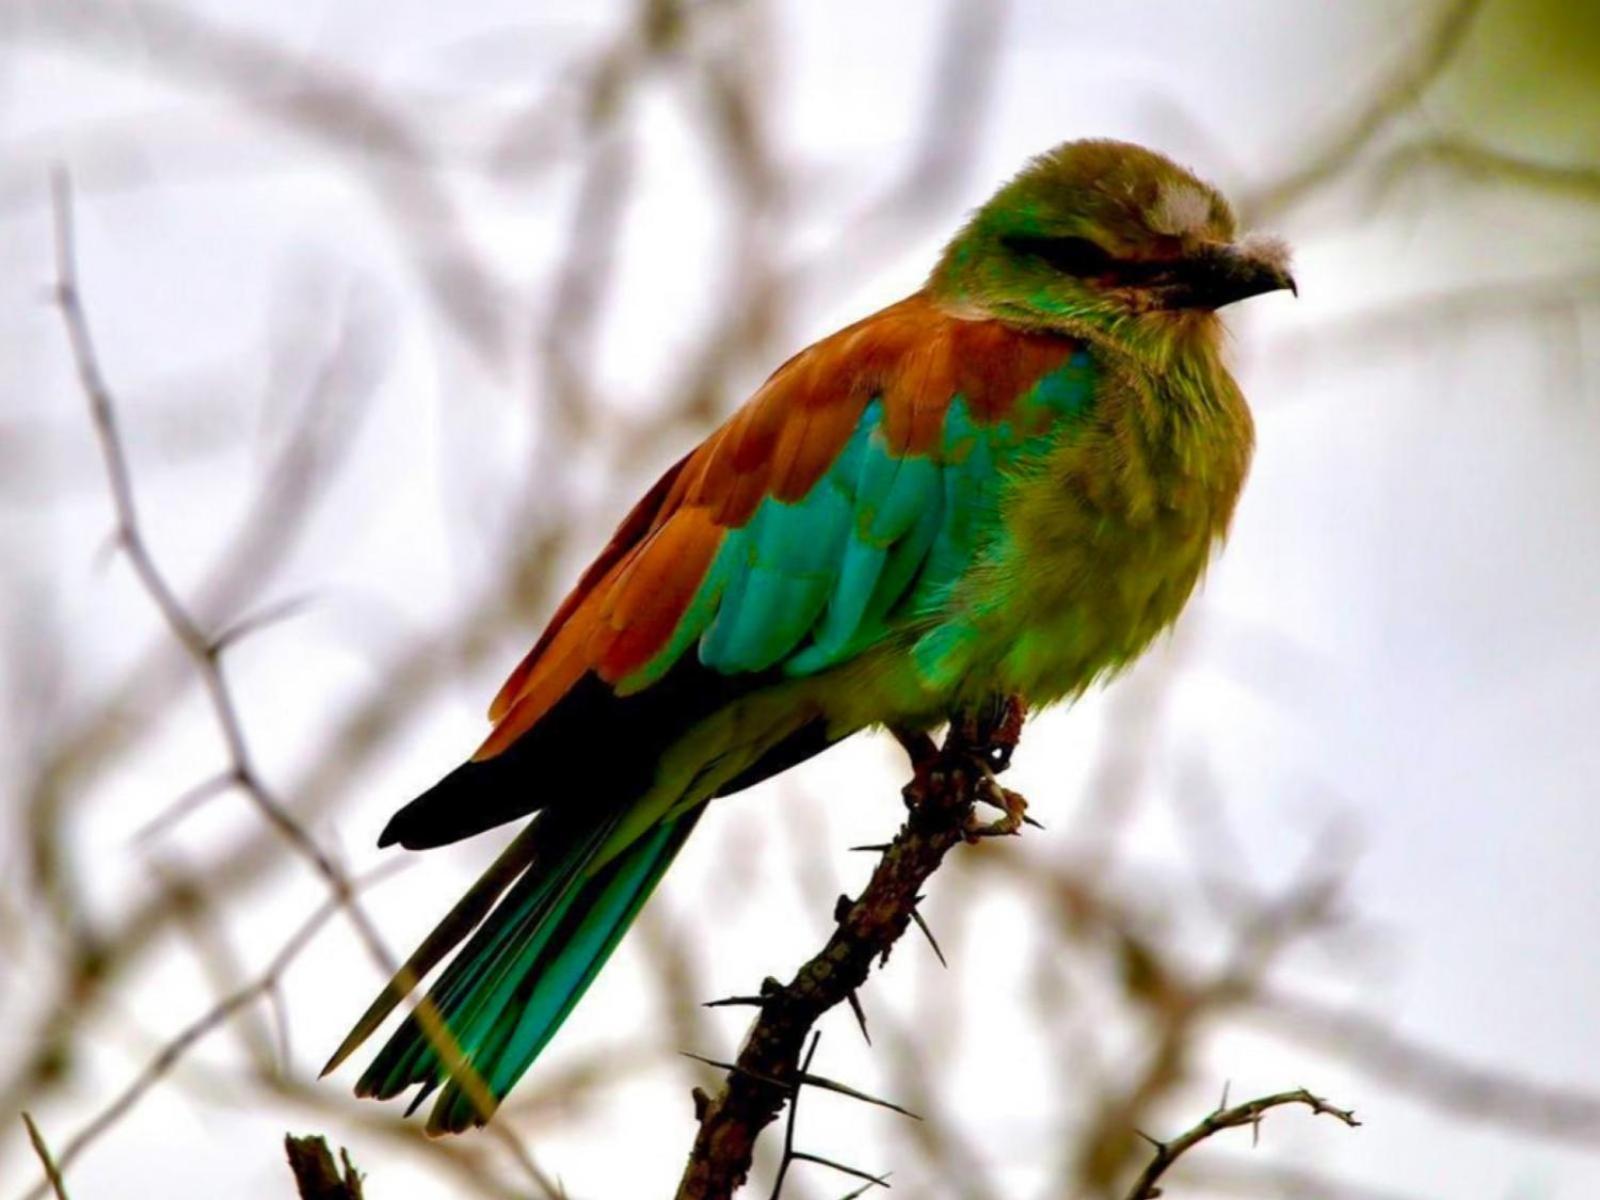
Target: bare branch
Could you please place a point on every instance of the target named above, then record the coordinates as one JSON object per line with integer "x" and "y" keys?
{"x": 1440, "y": 1079}
{"x": 203, "y": 650}
{"x": 769, "y": 1071}
{"x": 332, "y": 107}
{"x": 194, "y": 1032}
{"x": 205, "y": 653}
{"x": 52, "y": 1170}
{"x": 1239, "y": 1116}
{"x": 1381, "y": 108}
{"x": 316, "y": 1175}
{"x": 1577, "y": 181}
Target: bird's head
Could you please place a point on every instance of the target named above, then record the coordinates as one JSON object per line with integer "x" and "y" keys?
{"x": 1106, "y": 235}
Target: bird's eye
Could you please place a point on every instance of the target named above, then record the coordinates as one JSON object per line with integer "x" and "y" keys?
{"x": 1069, "y": 255}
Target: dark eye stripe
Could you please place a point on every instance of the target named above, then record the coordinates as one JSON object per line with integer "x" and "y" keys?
{"x": 1084, "y": 257}
{"x": 1069, "y": 255}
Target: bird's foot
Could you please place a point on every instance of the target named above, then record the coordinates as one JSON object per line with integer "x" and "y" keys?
{"x": 964, "y": 769}
{"x": 1013, "y": 808}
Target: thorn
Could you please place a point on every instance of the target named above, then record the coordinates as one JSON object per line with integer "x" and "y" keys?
{"x": 1027, "y": 820}
{"x": 802, "y": 1156}
{"x": 861, "y": 1014}
{"x": 1223, "y": 1103}
{"x": 928, "y": 933}
{"x": 735, "y": 1001}
{"x": 843, "y": 1089}
{"x": 735, "y": 1068}
{"x": 1161, "y": 1147}
{"x": 872, "y": 848}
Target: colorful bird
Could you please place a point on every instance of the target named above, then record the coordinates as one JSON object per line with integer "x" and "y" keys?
{"x": 1004, "y": 485}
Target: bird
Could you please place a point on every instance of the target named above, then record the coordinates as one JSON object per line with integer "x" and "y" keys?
{"x": 1006, "y": 484}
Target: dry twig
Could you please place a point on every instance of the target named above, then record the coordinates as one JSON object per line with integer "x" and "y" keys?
{"x": 205, "y": 651}
{"x": 1240, "y": 1116}
{"x": 196, "y": 1030}
{"x": 52, "y": 1169}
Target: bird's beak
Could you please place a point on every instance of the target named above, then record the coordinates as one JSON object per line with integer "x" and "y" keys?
{"x": 1216, "y": 275}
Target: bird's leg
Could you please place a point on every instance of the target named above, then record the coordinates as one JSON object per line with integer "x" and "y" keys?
{"x": 987, "y": 734}
{"x": 924, "y": 755}
{"x": 976, "y": 749}
{"x": 992, "y": 729}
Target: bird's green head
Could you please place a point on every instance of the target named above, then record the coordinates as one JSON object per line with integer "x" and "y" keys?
{"x": 1108, "y": 235}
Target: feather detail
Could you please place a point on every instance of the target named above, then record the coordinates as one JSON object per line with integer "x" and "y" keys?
{"x": 670, "y": 571}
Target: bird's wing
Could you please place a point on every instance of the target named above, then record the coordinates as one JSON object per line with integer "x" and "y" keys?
{"x": 853, "y": 485}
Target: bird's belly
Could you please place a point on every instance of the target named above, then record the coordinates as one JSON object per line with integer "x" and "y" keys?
{"x": 1068, "y": 634}
{"x": 1054, "y": 623}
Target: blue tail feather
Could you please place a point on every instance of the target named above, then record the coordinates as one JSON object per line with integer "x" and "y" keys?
{"x": 515, "y": 982}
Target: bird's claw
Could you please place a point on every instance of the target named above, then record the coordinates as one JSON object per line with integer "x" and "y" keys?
{"x": 1013, "y": 808}
{"x": 978, "y": 748}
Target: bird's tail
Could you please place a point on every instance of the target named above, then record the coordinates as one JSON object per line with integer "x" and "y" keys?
{"x": 507, "y": 992}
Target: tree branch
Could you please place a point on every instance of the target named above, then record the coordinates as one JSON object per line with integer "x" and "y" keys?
{"x": 316, "y": 1175}
{"x": 768, "y": 1072}
{"x": 1240, "y": 1115}
{"x": 205, "y": 652}
{"x": 52, "y": 1169}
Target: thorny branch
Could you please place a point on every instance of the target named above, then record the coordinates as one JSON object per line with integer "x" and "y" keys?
{"x": 1239, "y": 1116}
{"x": 316, "y": 1175}
{"x": 206, "y": 652}
{"x": 174, "y": 1050}
{"x": 769, "y": 1070}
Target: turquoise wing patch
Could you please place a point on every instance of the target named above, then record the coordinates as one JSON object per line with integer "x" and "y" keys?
{"x": 812, "y": 583}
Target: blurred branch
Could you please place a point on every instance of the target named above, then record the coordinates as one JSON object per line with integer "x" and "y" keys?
{"x": 180, "y": 1045}
{"x": 299, "y": 475}
{"x": 1379, "y": 327}
{"x": 52, "y": 1170}
{"x": 1438, "y": 1078}
{"x": 321, "y": 101}
{"x": 1178, "y": 1000}
{"x": 316, "y": 1175}
{"x": 955, "y": 100}
{"x": 1231, "y": 1175}
{"x": 1382, "y": 107}
{"x": 1239, "y": 1116}
{"x": 768, "y": 1072}
{"x": 1483, "y": 163}
{"x": 204, "y": 651}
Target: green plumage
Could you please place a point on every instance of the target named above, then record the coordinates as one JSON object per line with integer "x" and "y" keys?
{"x": 949, "y": 548}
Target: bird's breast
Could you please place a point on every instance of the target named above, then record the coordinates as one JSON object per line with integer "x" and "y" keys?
{"x": 1102, "y": 543}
